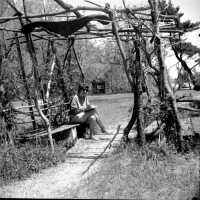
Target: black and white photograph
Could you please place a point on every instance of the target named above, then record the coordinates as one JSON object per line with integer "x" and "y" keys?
{"x": 100, "y": 99}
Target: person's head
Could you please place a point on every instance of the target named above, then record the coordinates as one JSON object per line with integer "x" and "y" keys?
{"x": 82, "y": 90}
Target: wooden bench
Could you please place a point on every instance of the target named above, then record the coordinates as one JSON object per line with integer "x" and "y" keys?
{"x": 75, "y": 131}
{"x": 68, "y": 132}
{"x": 62, "y": 124}
{"x": 60, "y": 129}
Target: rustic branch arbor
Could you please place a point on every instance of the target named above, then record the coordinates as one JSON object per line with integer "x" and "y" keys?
{"x": 132, "y": 29}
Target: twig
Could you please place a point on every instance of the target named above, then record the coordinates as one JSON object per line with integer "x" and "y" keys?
{"x": 188, "y": 100}
{"x": 189, "y": 109}
{"x": 99, "y": 156}
{"x": 94, "y": 3}
{"x": 11, "y": 30}
{"x": 79, "y": 66}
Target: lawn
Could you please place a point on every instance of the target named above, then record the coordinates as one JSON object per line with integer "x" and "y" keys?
{"x": 113, "y": 109}
{"x": 133, "y": 173}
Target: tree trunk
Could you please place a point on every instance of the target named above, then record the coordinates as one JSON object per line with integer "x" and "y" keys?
{"x": 187, "y": 69}
{"x": 36, "y": 78}
{"x": 28, "y": 96}
{"x": 61, "y": 81}
{"x": 170, "y": 93}
{"x": 1, "y": 52}
{"x": 1, "y": 58}
{"x": 138, "y": 94}
{"x": 131, "y": 121}
{"x": 37, "y": 87}
{"x": 164, "y": 81}
{"x": 126, "y": 66}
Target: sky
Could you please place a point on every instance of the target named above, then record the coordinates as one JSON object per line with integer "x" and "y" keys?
{"x": 190, "y": 8}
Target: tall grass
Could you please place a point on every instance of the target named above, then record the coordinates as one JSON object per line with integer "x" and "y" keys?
{"x": 20, "y": 163}
{"x": 135, "y": 173}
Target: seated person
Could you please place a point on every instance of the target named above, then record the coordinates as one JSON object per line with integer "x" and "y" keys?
{"x": 82, "y": 112}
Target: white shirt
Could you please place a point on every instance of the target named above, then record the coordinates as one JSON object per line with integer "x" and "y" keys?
{"x": 77, "y": 104}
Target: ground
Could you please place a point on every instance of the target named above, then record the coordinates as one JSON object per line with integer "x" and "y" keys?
{"x": 129, "y": 174}
{"x": 51, "y": 183}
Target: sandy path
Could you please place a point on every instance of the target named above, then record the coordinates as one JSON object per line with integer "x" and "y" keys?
{"x": 55, "y": 181}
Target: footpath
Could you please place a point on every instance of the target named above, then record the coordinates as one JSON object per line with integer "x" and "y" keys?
{"x": 56, "y": 181}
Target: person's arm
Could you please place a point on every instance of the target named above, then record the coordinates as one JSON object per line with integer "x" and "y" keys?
{"x": 87, "y": 102}
{"x": 74, "y": 108}
{"x": 89, "y": 106}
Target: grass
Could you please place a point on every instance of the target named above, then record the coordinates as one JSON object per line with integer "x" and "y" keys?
{"x": 20, "y": 163}
{"x": 130, "y": 173}
{"x": 133, "y": 173}
{"x": 113, "y": 109}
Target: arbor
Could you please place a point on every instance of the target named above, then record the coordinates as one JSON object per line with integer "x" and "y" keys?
{"x": 179, "y": 47}
{"x": 7, "y": 85}
{"x": 168, "y": 109}
{"x": 140, "y": 35}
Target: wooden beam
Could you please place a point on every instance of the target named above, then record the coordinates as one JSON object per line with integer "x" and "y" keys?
{"x": 35, "y": 73}
{"x": 68, "y": 8}
{"x": 28, "y": 96}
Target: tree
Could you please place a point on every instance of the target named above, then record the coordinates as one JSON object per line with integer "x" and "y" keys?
{"x": 179, "y": 47}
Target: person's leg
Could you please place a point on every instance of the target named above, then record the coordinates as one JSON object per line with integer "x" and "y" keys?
{"x": 99, "y": 122}
{"x": 89, "y": 118}
{"x": 81, "y": 117}
{"x": 93, "y": 125}
{"x": 85, "y": 117}
{"x": 93, "y": 119}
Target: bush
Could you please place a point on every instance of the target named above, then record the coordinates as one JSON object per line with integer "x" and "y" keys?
{"x": 19, "y": 163}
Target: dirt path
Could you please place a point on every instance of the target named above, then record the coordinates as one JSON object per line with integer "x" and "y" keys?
{"x": 54, "y": 182}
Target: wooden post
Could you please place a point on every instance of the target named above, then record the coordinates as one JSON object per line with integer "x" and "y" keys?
{"x": 36, "y": 87}
{"x": 126, "y": 66}
{"x": 32, "y": 53}
{"x": 28, "y": 96}
{"x": 138, "y": 92}
{"x": 164, "y": 80}
{"x": 77, "y": 60}
{"x": 137, "y": 88}
{"x": 50, "y": 79}
{"x": 155, "y": 17}
{"x": 1, "y": 58}
{"x": 61, "y": 81}
{"x": 121, "y": 49}
{"x": 45, "y": 8}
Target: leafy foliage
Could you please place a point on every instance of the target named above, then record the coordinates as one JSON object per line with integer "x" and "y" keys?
{"x": 179, "y": 47}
